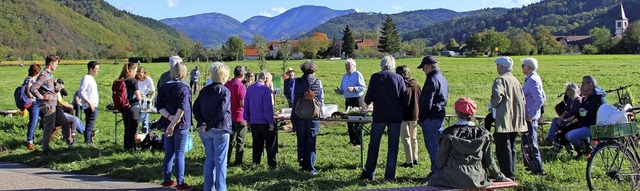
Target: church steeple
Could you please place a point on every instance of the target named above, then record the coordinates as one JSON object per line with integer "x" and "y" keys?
{"x": 621, "y": 23}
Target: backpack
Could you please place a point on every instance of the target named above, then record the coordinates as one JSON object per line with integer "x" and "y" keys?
{"x": 119, "y": 95}
{"x": 20, "y": 96}
{"x": 308, "y": 106}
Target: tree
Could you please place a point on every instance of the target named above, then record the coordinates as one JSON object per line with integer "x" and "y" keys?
{"x": 589, "y": 49}
{"x": 415, "y": 47}
{"x": 522, "y": 43}
{"x": 234, "y": 48}
{"x": 117, "y": 51}
{"x": 452, "y": 43}
{"x": 199, "y": 53}
{"x": 601, "y": 39}
{"x": 496, "y": 42}
{"x": 285, "y": 53}
{"x": 311, "y": 45}
{"x": 439, "y": 47}
{"x": 389, "y": 41}
{"x": 259, "y": 43}
{"x": 630, "y": 42}
{"x": 348, "y": 43}
{"x": 546, "y": 42}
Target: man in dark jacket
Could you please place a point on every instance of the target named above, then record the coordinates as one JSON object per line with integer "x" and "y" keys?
{"x": 465, "y": 160}
{"x": 588, "y": 110}
{"x": 433, "y": 101}
{"x": 388, "y": 93}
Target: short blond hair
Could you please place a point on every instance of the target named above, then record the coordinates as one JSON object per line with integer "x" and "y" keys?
{"x": 178, "y": 71}
{"x": 219, "y": 72}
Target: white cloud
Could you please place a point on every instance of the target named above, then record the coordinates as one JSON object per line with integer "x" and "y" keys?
{"x": 265, "y": 14}
{"x": 278, "y": 10}
{"x": 128, "y": 8}
{"x": 357, "y": 10}
{"x": 396, "y": 7}
{"x": 219, "y": 6}
{"x": 172, "y": 3}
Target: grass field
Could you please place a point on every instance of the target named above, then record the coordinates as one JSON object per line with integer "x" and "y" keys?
{"x": 338, "y": 162}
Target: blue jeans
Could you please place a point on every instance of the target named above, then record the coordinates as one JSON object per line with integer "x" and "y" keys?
{"x": 306, "y": 133}
{"x": 576, "y": 136}
{"x": 393, "y": 133}
{"x": 34, "y": 111}
{"x": 77, "y": 123}
{"x": 144, "y": 118}
{"x": 174, "y": 148}
{"x": 553, "y": 130}
{"x": 530, "y": 149}
{"x": 431, "y": 129}
{"x": 216, "y": 145}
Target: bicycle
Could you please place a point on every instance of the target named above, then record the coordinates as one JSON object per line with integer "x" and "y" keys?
{"x": 614, "y": 163}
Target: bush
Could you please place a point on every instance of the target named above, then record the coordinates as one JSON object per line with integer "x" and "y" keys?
{"x": 589, "y": 49}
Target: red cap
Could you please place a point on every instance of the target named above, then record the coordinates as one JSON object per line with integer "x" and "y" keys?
{"x": 465, "y": 105}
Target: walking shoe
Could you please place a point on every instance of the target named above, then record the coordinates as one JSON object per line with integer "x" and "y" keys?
{"x": 415, "y": 162}
{"x": 364, "y": 176}
{"x": 184, "y": 186}
{"x": 170, "y": 184}
{"x": 48, "y": 153}
{"x": 31, "y": 147}
{"x": 407, "y": 165}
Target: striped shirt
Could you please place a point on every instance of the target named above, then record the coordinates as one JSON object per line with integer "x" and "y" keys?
{"x": 43, "y": 89}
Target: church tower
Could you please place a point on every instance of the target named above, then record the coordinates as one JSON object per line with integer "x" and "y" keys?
{"x": 621, "y": 23}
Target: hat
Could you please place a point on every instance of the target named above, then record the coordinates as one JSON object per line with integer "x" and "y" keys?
{"x": 466, "y": 106}
{"x": 174, "y": 60}
{"x": 504, "y": 61}
{"x": 427, "y": 60}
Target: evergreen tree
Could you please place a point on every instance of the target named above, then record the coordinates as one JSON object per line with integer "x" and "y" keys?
{"x": 348, "y": 43}
{"x": 389, "y": 40}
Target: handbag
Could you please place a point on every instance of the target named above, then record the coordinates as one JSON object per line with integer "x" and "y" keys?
{"x": 308, "y": 106}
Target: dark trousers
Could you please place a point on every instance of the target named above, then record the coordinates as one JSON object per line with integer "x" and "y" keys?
{"x": 306, "y": 133}
{"x": 194, "y": 86}
{"x": 237, "y": 138}
{"x": 264, "y": 139}
{"x": 354, "y": 129}
{"x": 506, "y": 153}
{"x": 130, "y": 119}
{"x": 90, "y": 122}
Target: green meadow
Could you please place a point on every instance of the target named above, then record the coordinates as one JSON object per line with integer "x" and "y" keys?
{"x": 337, "y": 162}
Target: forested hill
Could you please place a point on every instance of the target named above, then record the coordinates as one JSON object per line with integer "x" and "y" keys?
{"x": 563, "y": 17}
{"x": 81, "y": 29}
{"x": 405, "y": 21}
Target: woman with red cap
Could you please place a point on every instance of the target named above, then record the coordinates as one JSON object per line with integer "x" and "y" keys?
{"x": 465, "y": 160}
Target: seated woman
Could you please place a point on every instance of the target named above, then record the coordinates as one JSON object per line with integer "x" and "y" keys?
{"x": 568, "y": 120}
{"x": 465, "y": 160}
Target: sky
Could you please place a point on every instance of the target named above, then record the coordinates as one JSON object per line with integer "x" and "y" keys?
{"x": 242, "y": 10}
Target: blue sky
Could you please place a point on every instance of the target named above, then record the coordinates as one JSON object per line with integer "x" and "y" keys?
{"x": 242, "y": 10}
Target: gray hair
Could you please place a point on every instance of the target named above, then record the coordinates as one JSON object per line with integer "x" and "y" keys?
{"x": 590, "y": 79}
{"x": 388, "y": 63}
{"x": 219, "y": 72}
{"x": 531, "y": 62}
{"x": 263, "y": 76}
{"x": 350, "y": 61}
{"x": 178, "y": 71}
{"x": 308, "y": 67}
{"x": 574, "y": 87}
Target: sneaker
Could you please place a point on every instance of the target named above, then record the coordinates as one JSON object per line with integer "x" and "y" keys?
{"x": 364, "y": 176}
{"x": 170, "y": 184}
{"x": 415, "y": 162}
{"x": 184, "y": 186}
{"x": 31, "y": 147}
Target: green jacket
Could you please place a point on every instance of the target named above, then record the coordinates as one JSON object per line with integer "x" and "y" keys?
{"x": 464, "y": 159}
{"x": 507, "y": 98}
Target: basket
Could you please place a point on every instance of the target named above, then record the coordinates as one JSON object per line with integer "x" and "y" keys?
{"x": 613, "y": 131}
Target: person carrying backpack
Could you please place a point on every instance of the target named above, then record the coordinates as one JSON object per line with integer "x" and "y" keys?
{"x": 126, "y": 98}
{"x": 307, "y": 129}
{"x": 34, "y": 110}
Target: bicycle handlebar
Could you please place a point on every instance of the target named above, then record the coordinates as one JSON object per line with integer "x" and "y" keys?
{"x": 619, "y": 88}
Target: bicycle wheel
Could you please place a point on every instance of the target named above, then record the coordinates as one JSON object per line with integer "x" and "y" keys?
{"x": 611, "y": 167}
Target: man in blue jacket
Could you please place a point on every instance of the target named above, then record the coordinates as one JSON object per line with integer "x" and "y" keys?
{"x": 388, "y": 93}
{"x": 433, "y": 101}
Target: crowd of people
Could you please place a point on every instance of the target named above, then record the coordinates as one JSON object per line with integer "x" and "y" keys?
{"x": 225, "y": 109}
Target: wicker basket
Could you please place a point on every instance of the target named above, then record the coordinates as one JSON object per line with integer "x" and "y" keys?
{"x": 613, "y": 131}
